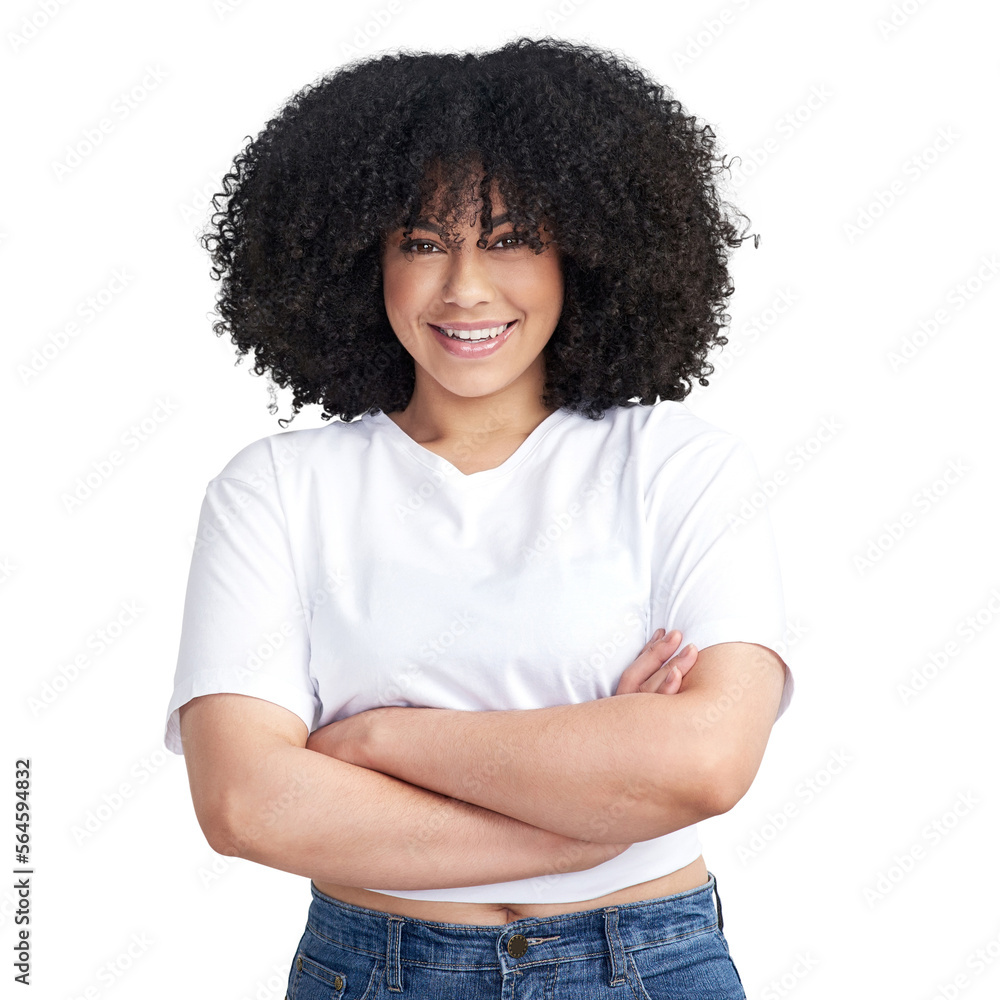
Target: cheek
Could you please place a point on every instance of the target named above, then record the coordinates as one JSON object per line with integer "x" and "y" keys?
{"x": 408, "y": 282}
{"x": 398, "y": 292}
{"x": 558, "y": 285}
{"x": 536, "y": 280}
{"x": 404, "y": 295}
{"x": 390, "y": 286}
{"x": 548, "y": 286}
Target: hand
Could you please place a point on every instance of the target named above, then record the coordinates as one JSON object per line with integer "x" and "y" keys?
{"x": 651, "y": 673}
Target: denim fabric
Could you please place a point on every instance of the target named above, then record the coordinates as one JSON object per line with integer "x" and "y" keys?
{"x": 669, "y": 948}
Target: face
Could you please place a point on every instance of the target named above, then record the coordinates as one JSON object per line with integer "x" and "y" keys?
{"x": 442, "y": 289}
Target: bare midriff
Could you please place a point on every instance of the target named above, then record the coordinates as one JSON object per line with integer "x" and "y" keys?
{"x": 689, "y": 877}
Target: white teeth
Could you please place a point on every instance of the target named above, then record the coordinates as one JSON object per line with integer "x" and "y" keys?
{"x": 484, "y": 334}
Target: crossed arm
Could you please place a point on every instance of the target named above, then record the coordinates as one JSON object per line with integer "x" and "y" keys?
{"x": 482, "y": 797}
{"x": 626, "y": 768}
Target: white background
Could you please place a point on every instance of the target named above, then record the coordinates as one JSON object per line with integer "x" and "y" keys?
{"x": 877, "y": 116}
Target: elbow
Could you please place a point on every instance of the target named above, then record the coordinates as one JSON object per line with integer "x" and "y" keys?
{"x": 724, "y": 781}
{"x": 719, "y": 796}
{"x": 225, "y": 832}
{"x": 223, "y": 839}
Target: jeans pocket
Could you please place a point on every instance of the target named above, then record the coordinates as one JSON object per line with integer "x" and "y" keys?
{"x": 692, "y": 968}
{"x": 318, "y": 975}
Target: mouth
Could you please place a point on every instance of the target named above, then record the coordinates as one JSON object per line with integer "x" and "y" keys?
{"x": 473, "y": 334}
{"x": 473, "y": 340}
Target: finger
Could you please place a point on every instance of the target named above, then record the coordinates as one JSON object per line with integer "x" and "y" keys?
{"x": 667, "y": 644}
{"x": 658, "y": 681}
{"x": 658, "y": 636}
{"x": 654, "y": 654}
{"x": 685, "y": 659}
{"x": 672, "y": 682}
{"x": 668, "y": 679}
{"x": 638, "y": 675}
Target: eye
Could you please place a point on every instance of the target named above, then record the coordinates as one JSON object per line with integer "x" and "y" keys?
{"x": 508, "y": 242}
{"x": 418, "y": 246}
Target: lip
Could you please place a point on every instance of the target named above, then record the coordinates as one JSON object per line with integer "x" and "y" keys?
{"x": 463, "y": 349}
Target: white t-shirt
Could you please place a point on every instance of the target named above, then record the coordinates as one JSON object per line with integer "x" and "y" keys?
{"x": 346, "y": 567}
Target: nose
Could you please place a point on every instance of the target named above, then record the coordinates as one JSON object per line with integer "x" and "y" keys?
{"x": 467, "y": 279}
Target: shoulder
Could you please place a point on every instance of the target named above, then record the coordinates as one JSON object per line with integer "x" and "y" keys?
{"x": 288, "y": 454}
{"x": 667, "y": 421}
{"x": 671, "y": 422}
{"x": 669, "y": 434}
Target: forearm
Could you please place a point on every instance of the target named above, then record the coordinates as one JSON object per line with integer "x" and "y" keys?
{"x": 335, "y": 822}
{"x": 593, "y": 771}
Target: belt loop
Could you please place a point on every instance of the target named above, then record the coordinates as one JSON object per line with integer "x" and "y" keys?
{"x": 615, "y": 947}
{"x": 393, "y": 971}
{"x": 718, "y": 900}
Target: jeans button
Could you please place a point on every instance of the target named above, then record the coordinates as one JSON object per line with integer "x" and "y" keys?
{"x": 517, "y": 945}
{"x": 338, "y": 982}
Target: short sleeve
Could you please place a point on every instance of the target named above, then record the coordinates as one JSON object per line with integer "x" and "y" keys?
{"x": 715, "y": 572}
{"x": 244, "y": 628}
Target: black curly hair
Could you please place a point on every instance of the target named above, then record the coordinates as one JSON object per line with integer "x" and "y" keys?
{"x": 574, "y": 138}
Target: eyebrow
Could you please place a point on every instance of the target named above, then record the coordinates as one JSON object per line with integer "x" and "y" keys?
{"x": 434, "y": 228}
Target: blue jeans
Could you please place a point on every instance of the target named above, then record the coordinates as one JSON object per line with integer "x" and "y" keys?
{"x": 669, "y": 947}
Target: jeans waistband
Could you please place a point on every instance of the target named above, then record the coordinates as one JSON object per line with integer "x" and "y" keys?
{"x": 530, "y": 940}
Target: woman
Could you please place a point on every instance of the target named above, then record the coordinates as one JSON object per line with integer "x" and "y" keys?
{"x": 490, "y": 268}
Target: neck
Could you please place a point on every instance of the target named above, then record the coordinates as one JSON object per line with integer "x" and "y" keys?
{"x": 436, "y": 415}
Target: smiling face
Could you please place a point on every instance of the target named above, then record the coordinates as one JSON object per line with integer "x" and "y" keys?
{"x": 474, "y": 320}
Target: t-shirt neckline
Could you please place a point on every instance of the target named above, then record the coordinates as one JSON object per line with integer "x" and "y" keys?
{"x": 434, "y": 461}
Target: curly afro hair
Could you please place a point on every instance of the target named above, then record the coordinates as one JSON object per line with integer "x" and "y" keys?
{"x": 575, "y": 139}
